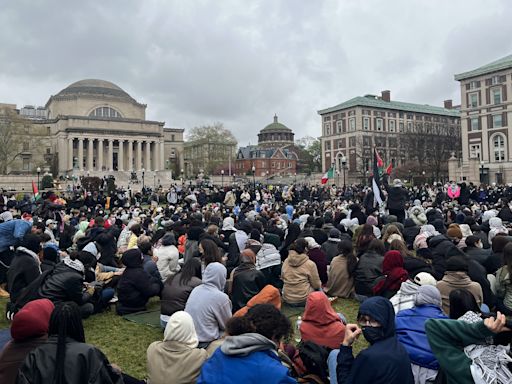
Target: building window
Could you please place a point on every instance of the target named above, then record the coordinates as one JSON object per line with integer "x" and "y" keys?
{"x": 379, "y": 124}
{"x": 496, "y": 96}
{"x": 475, "y": 124}
{"x": 495, "y": 80}
{"x": 105, "y": 112}
{"x": 339, "y": 125}
{"x": 474, "y": 151}
{"x": 273, "y": 165}
{"x": 497, "y": 121}
{"x": 48, "y": 131}
{"x": 262, "y": 164}
{"x": 328, "y": 145}
{"x": 498, "y": 145}
{"x": 473, "y": 100}
{"x": 392, "y": 125}
{"x": 26, "y": 146}
{"x": 474, "y": 85}
{"x": 172, "y": 138}
{"x": 409, "y": 126}
{"x": 366, "y": 123}
{"x": 26, "y": 164}
{"x": 400, "y": 127}
{"x": 352, "y": 124}
{"x": 289, "y": 165}
{"x": 327, "y": 128}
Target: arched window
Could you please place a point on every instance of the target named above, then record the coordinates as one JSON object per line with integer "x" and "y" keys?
{"x": 498, "y": 147}
{"x": 105, "y": 112}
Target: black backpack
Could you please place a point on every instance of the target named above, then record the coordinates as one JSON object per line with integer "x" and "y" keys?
{"x": 314, "y": 357}
{"x": 29, "y": 293}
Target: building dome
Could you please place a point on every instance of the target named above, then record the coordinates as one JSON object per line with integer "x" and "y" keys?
{"x": 94, "y": 87}
{"x": 275, "y": 135}
{"x": 276, "y": 127}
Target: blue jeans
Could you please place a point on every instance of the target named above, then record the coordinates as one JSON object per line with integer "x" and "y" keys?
{"x": 107, "y": 294}
{"x": 108, "y": 268}
{"x": 332, "y": 363}
{"x": 163, "y": 324}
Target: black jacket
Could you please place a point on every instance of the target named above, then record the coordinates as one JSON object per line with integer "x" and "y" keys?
{"x": 247, "y": 282}
{"x": 319, "y": 235}
{"x": 368, "y": 271}
{"x": 411, "y": 230}
{"x": 23, "y": 270}
{"x": 397, "y": 196}
{"x": 478, "y": 254}
{"x": 84, "y": 364}
{"x": 439, "y": 245}
{"x": 64, "y": 284}
{"x": 47, "y": 265}
{"x": 135, "y": 286}
{"x": 414, "y": 265}
{"x": 175, "y": 294}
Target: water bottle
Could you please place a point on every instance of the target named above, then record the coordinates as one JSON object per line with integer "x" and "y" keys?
{"x": 297, "y": 329}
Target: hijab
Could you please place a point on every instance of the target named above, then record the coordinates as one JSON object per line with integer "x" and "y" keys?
{"x": 393, "y": 270}
{"x": 180, "y": 328}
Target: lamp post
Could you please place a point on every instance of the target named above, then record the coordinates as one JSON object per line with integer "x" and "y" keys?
{"x": 222, "y": 177}
{"x": 338, "y": 177}
{"x": 254, "y": 177}
{"x": 266, "y": 177}
{"x": 143, "y": 170}
{"x": 167, "y": 164}
{"x": 343, "y": 166}
{"x": 423, "y": 173}
{"x": 295, "y": 178}
{"x": 182, "y": 180}
{"x": 481, "y": 172}
{"x": 38, "y": 174}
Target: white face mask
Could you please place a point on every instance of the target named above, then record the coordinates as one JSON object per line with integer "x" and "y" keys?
{"x": 479, "y": 245}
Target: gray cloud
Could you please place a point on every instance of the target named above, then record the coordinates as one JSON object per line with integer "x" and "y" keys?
{"x": 239, "y": 63}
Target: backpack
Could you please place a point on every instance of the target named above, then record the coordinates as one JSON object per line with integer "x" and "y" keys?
{"x": 314, "y": 357}
{"x": 29, "y": 293}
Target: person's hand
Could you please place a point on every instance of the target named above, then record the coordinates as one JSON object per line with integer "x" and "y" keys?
{"x": 116, "y": 368}
{"x": 496, "y": 325}
{"x": 352, "y": 332}
{"x": 154, "y": 258}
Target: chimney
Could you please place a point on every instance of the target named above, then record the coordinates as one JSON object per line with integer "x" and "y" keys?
{"x": 448, "y": 104}
{"x": 386, "y": 95}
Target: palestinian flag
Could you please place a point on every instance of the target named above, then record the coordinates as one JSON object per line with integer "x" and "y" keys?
{"x": 35, "y": 191}
{"x": 378, "y": 164}
{"x": 328, "y": 175}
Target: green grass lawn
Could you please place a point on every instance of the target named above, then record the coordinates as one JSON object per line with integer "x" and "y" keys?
{"x": 125, "y": 343}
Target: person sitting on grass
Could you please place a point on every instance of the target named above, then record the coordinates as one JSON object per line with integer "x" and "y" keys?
{"x": 66, "y": 358}
{"x": 341, "y": 273}
{"x": 247, "y": 281}
{"x": 385, "y": 361}
{"x": 209, "y": 306}
{"x": 249, "y": 353}
{"x": 135, "y": 286}
{"x": 176, "y": 359}
{"x": 29, "y": 329}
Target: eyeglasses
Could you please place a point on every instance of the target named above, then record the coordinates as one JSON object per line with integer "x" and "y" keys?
{"x": 366, "y": 321}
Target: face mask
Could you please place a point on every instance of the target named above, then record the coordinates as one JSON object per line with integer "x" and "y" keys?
{"x": 373, "y": 334}
{"x": 479, "y": 245}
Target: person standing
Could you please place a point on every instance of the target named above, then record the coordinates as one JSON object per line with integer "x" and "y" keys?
{"x": 397, "y": 197}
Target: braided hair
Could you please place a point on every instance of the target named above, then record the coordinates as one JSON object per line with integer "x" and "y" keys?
{"x": 65, "y": 321}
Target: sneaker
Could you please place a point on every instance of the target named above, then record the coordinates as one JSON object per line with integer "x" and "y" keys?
{"x": 113, "y": 300}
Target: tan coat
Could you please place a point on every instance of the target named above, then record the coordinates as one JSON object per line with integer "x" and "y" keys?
{"x": 340, "y": 284}
{"x": 300, "y": 277}
{"x": 174, "y": 362}
{"x": 458, "y": 280}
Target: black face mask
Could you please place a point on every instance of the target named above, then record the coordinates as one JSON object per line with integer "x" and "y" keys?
{"x": 373, "y": 334}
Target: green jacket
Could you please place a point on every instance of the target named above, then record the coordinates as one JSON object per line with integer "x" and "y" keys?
{"x": 447, "y": 338}
{"x": 504, "y": 286}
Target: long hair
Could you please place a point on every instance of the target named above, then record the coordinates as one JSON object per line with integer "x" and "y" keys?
{"x": 211, "y": 252}
{"x": 65, "y": 321}
{"x": 365, "y": 237}
{"x": 462, "y": 301}
{"x": 391, "y": 229}
{"x": 399, "y": 245}
{"x": 192, "y": 268}
{"x": 345, "y": 248}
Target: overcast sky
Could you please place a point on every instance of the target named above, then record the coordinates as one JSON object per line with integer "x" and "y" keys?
{"x": 196, "y": 62}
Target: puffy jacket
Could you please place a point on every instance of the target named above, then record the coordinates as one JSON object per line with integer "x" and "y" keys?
{"x": 175, "y": 294}
{"x": 247, "y": 282}
{"x": 23, "y": 270}
{"x": 396, "y": 197}
{"x": 330, "y": 247}
{"x": 11, "y": 233}
{"x": 135, "y": 286}
{"x": 478, "y": 254}
{"x": 368, "y": 270}
{"x": 411, "y": 230}
{"x": 84, "y": 364}
{"x": 167, "y": 263}
{"x": 300, "y": 277}
{"x": 410, "y": 330}
{"x": 64, "y": 284}
{"x": 439, "y": 245}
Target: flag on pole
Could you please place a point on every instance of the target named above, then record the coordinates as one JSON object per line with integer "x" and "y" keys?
{"x": 377, "y": 172}
{"x": 35, "y": 191}
{"x": 328, "y": 175}
{"x": 389, "y": 169}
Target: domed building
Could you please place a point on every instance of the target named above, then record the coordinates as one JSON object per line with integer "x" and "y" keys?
{"x": 274, "y": 155}
{"x": 97, "y": 128}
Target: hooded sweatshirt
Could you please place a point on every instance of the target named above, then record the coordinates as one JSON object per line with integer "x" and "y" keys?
{"x": 176, "y": 359}
{"x": 320, "y": 323}
{"x": 458, "y": 280}
{"x": 246, "y": 358}
{"x": 208, "y": 305}
{"x": 29, "y": 329}
{"x": 300, "y": 277}
{"x": 385, "y": 361}
{"x": 268, "y": 295}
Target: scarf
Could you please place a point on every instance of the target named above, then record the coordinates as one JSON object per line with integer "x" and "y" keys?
{"x": 74, "y": 264}
{"x": 31, "y": 253}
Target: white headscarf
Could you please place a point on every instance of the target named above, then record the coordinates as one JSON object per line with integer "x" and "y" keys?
{"x": 181, "y": 328}
{"x": 428, "y": 230}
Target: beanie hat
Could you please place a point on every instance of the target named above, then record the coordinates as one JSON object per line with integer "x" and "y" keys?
{"x": 457, "y": 263}
{"x": 428, "y": 294}
{"x": 454, "y": 232}
{"x": 334, "y": 233}
{"x": 459, "y": 218}
{"x": 50, "y": 253}
{"x": 32, "y": 320}
{"x": 425, "y": 278}
{"x": 31, "y": 242}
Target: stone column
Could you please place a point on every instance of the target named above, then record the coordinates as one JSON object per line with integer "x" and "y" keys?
{"x": 90, "y": 147}
{"x": 99, "y": 163}
{"x": 70, "y": 153}
{"x": 147, "y": 150}
{"x": 139, "y": 156}
{"x": 110, "y": 155}
{"x": 120, "y": 156}
{"x": 156, "y": 156}
{"x": 162, "y": 154}
{"x": 130, "y": 155}
{"x": 80, "y": 153}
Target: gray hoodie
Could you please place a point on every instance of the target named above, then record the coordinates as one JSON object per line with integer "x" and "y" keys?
{"x": 243, "y": 345}
{"x": 208, "y": 305}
